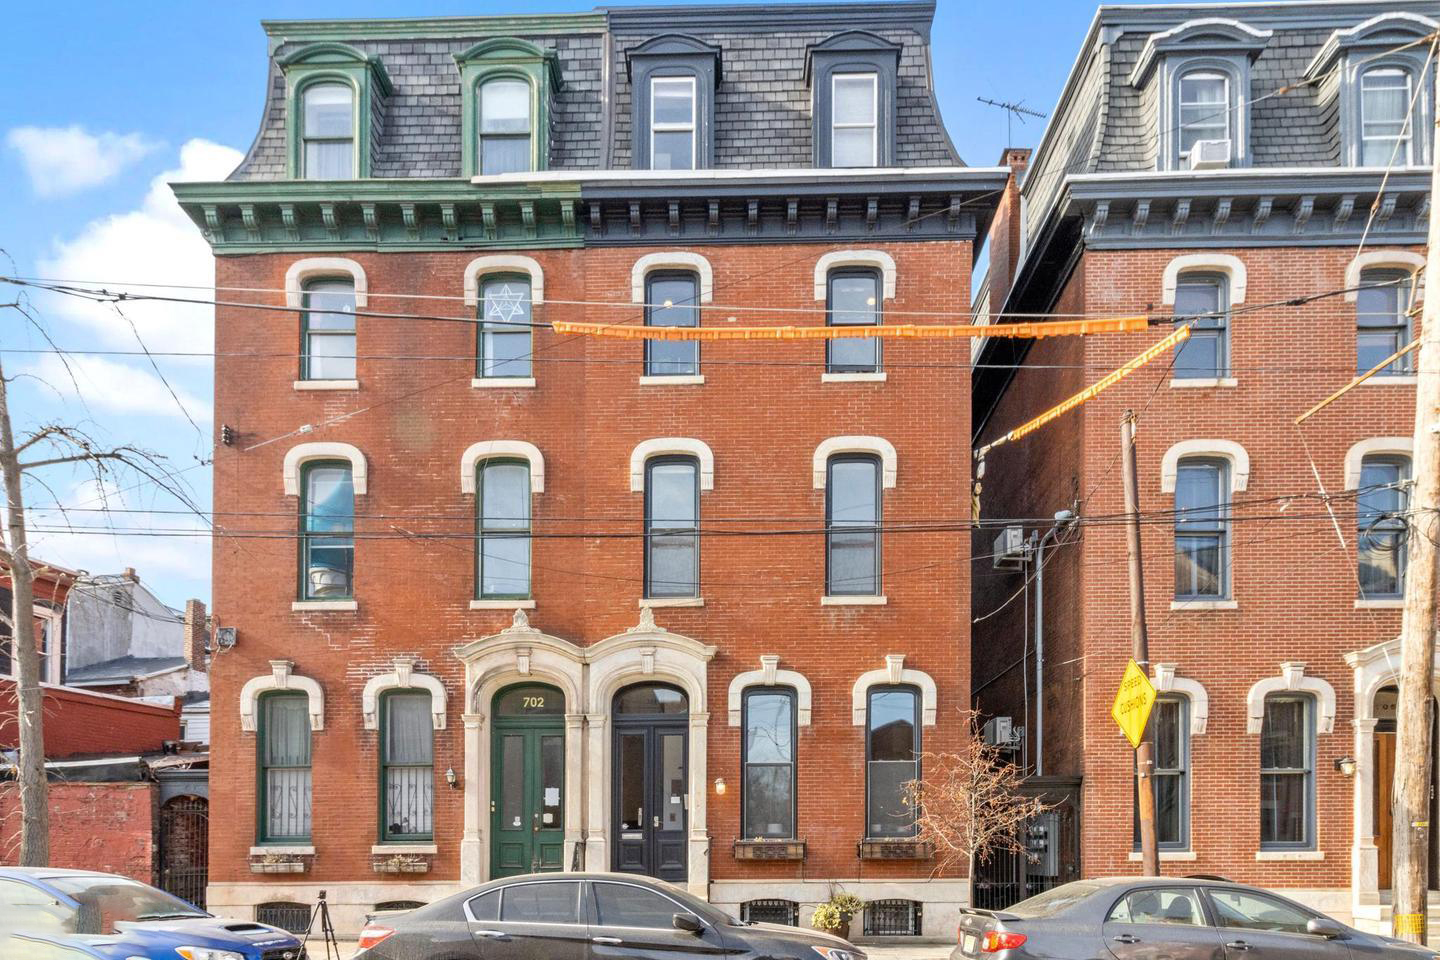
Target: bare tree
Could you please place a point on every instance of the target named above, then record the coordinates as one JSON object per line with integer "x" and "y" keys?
{"x": 47, "y": 445}
{"x": 968, "y": 803}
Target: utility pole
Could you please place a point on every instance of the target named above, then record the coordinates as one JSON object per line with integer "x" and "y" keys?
{"x": 1139, "y": 647}
{"x": 1417, "y": 631}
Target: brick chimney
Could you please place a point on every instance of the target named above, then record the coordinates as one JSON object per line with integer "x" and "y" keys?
{"x": 1005, "y": 228}
{"x": 197, "y": 634}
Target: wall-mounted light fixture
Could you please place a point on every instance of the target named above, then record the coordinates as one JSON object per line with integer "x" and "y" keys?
{"x": 1346, "y": 766}
{"x": 452, "y": 779}
{"x": 720, "y": 786}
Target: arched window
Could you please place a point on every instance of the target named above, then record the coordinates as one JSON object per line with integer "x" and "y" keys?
{"x": 768, "y": 791}
{"x": 284, "y": 760}
{"x": 504, "y": 345}
{"x": 1385, "y": 138}
{"x": 892, "y": 759}
{"x": 328, "y": 131}
{"x": 1380, "y": 504}
{"x": 502, "y": 557}
{"x": 672, "y": 527}
{"x": 1287, "y": 772}
{"x": 1204, "y": 109}
{"x": 852, "y": 526}
{"x": 407, "y": 765}
{"x": 505, "y": 126}
{"x": 327, "y": 531}
{"x": 651, "y": 700}
{"x": 853, "y": 300}
{"x": 1202, "y": 540}
{"x": 328, "y": 329}
{"x": 1382, "y": 320}
{"x": 1202, "y": 298}
{"x": 672, "y": 300}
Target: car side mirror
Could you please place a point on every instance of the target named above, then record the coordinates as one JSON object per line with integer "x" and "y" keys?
{"x": 687, "y": 922}
{"x": 1324, "y": 927}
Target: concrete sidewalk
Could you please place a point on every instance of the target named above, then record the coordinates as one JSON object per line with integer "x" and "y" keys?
{"x": 920, "y": 951}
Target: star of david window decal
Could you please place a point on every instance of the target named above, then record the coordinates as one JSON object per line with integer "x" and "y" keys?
{"x": 508, "y": 304}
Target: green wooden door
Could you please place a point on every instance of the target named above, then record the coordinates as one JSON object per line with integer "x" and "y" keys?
{"x": 527, "y": 782}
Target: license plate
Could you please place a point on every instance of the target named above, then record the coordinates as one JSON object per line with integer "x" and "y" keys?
{"x": 971, "y": 944}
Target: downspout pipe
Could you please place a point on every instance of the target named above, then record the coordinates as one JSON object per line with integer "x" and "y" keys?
{"x": 1063, "y": 520}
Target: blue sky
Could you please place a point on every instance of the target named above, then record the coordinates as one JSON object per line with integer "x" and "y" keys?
{"x": 103, "y": 102}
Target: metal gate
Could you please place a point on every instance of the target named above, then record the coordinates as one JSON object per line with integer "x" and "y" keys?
{"x": 185, "y": 848}
{"x": 1052, "y": 842}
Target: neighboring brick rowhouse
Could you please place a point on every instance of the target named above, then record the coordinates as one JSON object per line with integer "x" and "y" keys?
{"x": 80, "y": 722}
{"x": 1004, "y": 240}
{"x": 107, "y": 827}
{"x": 197, "y": 635}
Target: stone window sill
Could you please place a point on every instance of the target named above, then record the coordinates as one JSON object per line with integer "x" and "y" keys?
{"x": 1204, "y": 604}
{"x": 683, "y": 380}
{"x": 327, "y": 384}
{"x": 324, "y": 606}
{"x": 402, "y": 849}
{"x": 1202, "y": 382}
{"x": 1381, "y": 380}
{"x": 829, "y": 601}
{"x": 1384, "y": 603}
{"x": 1167, "y": 856}
{"x": 877, "y": 376}
{"x": 483, "y": 383}
{"x": 672, "y": 602}
{"x": 502, "y": 604}
{"x": 1290, "y": 855}
{"x": 279, "y": 851}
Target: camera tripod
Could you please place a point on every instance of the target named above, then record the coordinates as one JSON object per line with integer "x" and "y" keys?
{"x": 321, "y": 912}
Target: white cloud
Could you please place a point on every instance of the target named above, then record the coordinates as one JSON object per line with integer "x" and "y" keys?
{"x": 113, "y": 387}
{"x": 154, "y": 244}
{"x": 65, "y": 160}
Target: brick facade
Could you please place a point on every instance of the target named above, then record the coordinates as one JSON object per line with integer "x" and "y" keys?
{"x": 108, "y": 827}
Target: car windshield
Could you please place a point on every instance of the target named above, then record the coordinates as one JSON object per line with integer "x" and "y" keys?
{"x": 106, "y": 901}
{"x": 1053, "y": 901}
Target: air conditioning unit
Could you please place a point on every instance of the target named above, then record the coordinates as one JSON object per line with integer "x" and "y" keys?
{"x": 1210, "y": 154}
{"x": 1000, "y": 732}
{"x": 1010, "y": 551}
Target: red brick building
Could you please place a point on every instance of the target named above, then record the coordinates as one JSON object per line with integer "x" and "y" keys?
{"x": 1178, "y": 179}
{"x": 557, "y": 602}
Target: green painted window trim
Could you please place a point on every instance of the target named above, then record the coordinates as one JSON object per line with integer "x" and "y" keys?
{"x": 333, "y": 62}
{"x": 262, "y": 795}
{"x": 501, "y": 58}
{"x": 384, "y": 834}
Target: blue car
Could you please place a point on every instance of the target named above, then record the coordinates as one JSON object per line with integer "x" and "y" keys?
{"x": 59, "y": 914}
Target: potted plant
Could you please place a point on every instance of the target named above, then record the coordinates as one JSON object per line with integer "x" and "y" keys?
{"x": 834, "y": 915}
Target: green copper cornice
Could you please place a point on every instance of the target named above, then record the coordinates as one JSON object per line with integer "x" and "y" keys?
{"x": 268, "y": 216}
{"x": 306, "y": 31}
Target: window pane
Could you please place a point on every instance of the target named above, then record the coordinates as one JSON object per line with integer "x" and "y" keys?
{"x": 328, "y": 111}
{"x": 854, "y": 98}
{"x": 1203, "y": 355}
{"x": 673, "y": 790}
{"x": 504, "y": 154}
{"x": 330, "y": 305}
{"x": 505, "y": 107}
{"x": 1282, "y": 739}
{"x": 769, "y": 801}
{"x": 328, "y": 529}
{"x": 889, "y": 814}
{"x": 329, "y": 160}
{"x": 853, "y": 147}
{"x": 672, "y": 546}
{"x": 672, "y": 494}
{"x": 854, "y": 492}
{"x": 1384, "y": 102}
{"x": 512, "y": 787}
{"x": 552, "y": 780}
{"x": 621, "y": 905}
{"x": 1169, "y": 801}
{"x": 892, "y": 725}
{"x": 1167, "y": 726}
{"x": 286, "y": 763}
{"x": 1160, "y": 906}
{"x": 673, "y": 101}
{"x": 854, "y": 301}
{"x": 541, "y": 903}
{"x": 672, "y": 304}
{"x": 330, "y": 500}
{"x": 768, "y": 728}
{"x": 1380, "y": 504}
{"x": 1249, "y": 911}
{"x": 673, "y": 150}
{"x": 409, "y": 728}
{"x": 1204, "y": 112}
{"x": 505, "y": 566}
{"x": 287, "y": 731}
{"x": 649, "y": 699}
{"x": 409, "y": 799}
{"x": 505, "y": 495}
{"x": 330, "y": 357}
{"x": 1285, "y": 763}
{"x": 1381, "y": 316}
{"x": 852, "y": 562}
{"x": 486, "y": 907}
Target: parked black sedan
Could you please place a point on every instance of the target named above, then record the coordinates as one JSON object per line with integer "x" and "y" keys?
{"x": 586, "y": 916}
{"x": 1162, "y": 918}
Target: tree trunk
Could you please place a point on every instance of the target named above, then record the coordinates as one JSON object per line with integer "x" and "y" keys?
{"x": 34, "y": 791}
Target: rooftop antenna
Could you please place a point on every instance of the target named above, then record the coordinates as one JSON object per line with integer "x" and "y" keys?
{"x": 1013, "y": 111}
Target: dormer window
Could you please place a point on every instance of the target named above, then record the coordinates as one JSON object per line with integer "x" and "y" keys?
{"x": 1384, "y": 101}
{"x": 1204, "y": 111}
{"x": 506, "y": 89}
{"x": 853, "y": 78}
{"x": 672, "y": 123}
{"x": 1384, "y": 89}
{"x": 336, "y": 100}
{"x": 672, "y": 82}
{"x": 853, "y": 121}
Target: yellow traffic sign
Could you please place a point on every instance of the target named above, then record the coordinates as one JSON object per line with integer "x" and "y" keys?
{"x": 1133, "y": 702}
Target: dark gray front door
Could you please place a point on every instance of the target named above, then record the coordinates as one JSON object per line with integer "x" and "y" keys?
{"x": 651, "y": 799}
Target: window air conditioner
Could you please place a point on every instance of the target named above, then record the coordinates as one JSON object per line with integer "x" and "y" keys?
{"x": 1010, "y": 552}
{"x": 1210, "y": 154}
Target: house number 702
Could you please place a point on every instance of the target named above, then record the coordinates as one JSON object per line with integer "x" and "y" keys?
{"x": 534, "y": 703}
